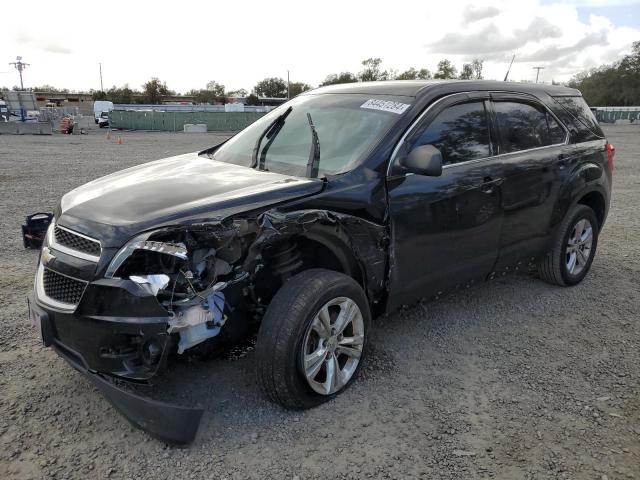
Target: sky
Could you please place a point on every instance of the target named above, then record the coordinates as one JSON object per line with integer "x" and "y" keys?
{"x": 188, "y": 43}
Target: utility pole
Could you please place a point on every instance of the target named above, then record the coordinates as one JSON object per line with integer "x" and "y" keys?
{"x": 288, "y": 86}
{"x": 101, "y": 86}
{"x": 538, "y": 72}
{"x": 20, "y": 66}
{"x": 506, "y": 76}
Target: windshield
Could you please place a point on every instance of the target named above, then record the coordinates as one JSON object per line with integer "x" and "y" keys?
{"x": 347, "y": 127}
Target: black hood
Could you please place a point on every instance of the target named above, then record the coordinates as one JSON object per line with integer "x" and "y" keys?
{"x": 177, "y": 190}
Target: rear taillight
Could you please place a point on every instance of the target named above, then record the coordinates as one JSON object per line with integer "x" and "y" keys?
{"x": 611, "y": 155}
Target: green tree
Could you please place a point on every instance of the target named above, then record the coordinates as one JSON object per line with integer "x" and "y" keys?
{"x": 424, "y": 74}
{"x": 216, "y": 89}
{"x": 413, "y": 74}
{"x": 612, "y": 85}
{"x": 272, "y": 87}
{"x": 467, "y": 72}
{"x": 446, "y": 70}
{"x": 154, "y": 90}
{"x": 372, "y": 71}
{"x": 296, "y": 88}
{"x": 476, "y": 65}
{"x": 241, "y": 92}
{"x": 214, "y": 93}
{"x": 98, "y": 95}
{"x": 122, "y": 95}
{"x": 342, "y": 77}
{"x": 50, "y": 89}
{"x": 253, "y": 99}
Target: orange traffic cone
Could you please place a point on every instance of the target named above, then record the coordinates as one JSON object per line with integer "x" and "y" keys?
{"x": 120, "y": 142}
{"x": 109, "y": 135}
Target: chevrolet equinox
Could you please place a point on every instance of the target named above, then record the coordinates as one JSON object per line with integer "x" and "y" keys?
{"x": 343, "y": 203}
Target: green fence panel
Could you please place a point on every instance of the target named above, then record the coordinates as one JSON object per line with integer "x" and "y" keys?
{"x": 175, "y": 121}
{"x": 610, "y": 116}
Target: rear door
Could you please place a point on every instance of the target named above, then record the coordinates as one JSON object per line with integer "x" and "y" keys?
{"x": 446, "y": 229}
{"x": 532, "y": 148}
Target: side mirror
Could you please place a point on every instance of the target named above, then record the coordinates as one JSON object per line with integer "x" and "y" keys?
{"x": 424, "y": 160}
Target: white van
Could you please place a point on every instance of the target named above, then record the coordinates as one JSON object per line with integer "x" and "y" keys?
{"x": 100, "y": 106}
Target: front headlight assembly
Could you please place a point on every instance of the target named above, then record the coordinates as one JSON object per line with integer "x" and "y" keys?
{"x": 142, "y": 243}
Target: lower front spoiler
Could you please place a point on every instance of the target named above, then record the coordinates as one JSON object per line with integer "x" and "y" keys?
{"x": 164, "y": 421}
{"x": 170, "y": 423}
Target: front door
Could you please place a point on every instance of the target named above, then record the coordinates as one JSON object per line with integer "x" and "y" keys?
{"x": 445, "y": 230}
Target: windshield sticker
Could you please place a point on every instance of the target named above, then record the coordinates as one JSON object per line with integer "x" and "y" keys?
{"x": 386, "y": 106}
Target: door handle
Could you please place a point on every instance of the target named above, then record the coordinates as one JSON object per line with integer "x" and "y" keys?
{"x": 489, "y": 184}
{"x": 562, "y": 162}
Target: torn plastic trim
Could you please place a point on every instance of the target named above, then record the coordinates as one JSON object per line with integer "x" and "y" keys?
{"x": 197, "y": 323}
{"x": 165, "y": 421}
{"x": 152, "y": 283}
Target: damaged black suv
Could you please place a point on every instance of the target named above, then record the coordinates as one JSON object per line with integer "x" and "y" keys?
{"x": 344, "y": 203}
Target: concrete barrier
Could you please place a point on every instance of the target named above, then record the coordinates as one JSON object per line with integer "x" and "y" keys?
{"x": 195, "y": 128}
{"x": 25, "y": 128}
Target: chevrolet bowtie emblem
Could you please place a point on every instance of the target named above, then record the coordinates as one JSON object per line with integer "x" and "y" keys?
{"x": 46, "y": 256}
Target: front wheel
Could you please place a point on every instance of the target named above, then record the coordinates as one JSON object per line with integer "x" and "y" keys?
{"x": 573, "y": 250}
{"x": 313, "y": 338}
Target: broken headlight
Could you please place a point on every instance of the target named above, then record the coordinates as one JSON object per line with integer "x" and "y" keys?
{"x": 176, "y": 264}
{"x": 140, "y": 245}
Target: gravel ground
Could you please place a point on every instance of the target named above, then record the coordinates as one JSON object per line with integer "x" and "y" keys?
{"x": 513, "y": 379}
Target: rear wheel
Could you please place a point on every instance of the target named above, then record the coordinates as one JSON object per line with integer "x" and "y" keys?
{"x": 574, "y": 248}
{"x": 312, "y": 340}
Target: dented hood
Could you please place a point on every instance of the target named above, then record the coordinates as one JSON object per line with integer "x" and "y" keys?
{"x": 182, "y": 189}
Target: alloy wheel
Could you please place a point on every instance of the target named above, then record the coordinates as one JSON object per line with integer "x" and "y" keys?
{"x": 579, "y": 245}
{"x": 333, "y": 345}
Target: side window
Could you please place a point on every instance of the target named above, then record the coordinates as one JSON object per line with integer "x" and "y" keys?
{"x": 460, "y": 132}
{"x": 584, "y": 122}
{"x": 557, "y": 134}
{"x": 523, "y": 126}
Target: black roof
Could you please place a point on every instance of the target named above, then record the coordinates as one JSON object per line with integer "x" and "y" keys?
{"x": 417, "y": 88}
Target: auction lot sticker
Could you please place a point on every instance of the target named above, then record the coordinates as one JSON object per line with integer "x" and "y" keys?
{"x": 385, "y": 106}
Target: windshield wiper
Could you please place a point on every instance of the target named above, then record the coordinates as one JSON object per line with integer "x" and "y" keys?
{"x": 314, "y": 153}
{"x": 276, "y": 125}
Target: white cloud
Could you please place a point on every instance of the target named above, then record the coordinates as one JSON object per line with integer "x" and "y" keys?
{"x": 189, "y": 43}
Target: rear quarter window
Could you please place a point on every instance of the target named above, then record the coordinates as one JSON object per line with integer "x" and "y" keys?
{"x": 581, "y": 119}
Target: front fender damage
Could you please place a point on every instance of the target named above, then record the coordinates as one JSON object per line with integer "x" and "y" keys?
{"x": 218, "y": 292}
{"x": 366, "y": 240}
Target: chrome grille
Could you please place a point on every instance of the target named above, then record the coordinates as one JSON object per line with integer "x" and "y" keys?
{"x": 76, "y": 242}
{"x": 62, "y": 288}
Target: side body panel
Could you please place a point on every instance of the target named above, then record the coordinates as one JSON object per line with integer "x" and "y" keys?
{"x": 532, "y": 181}
{"x": 444, "y": 230}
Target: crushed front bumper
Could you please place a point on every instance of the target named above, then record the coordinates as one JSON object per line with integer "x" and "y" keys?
{"x": 104, "y": 348}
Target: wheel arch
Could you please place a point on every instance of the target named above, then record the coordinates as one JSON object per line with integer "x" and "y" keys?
{"x": 321, "y": 249}
{"x": 585, "y": 186}
{"x": 595, "y": 200}
{"x": 335, "y": 241}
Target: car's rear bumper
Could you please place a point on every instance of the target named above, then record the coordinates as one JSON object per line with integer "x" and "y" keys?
{"x": 80, "y": 341}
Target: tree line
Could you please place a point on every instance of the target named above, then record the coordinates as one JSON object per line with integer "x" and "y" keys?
{"x": 154, "y": 90}
{"x": 614, "y": 85}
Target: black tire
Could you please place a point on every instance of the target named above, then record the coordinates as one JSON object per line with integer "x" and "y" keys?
{"x": 280, "y": 339}
{"x": 552, "y": 268}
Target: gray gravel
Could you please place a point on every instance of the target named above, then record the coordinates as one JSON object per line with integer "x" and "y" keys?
{"x": 513, "y": 379}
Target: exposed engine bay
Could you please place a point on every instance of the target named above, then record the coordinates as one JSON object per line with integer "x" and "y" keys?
{"x": 216, "y": 280}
